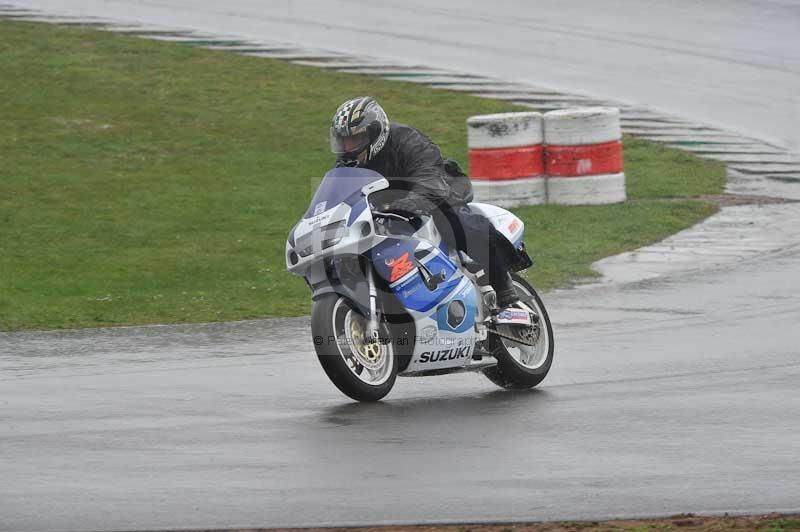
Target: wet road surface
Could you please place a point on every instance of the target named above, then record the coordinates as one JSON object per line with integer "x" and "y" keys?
{"x": 671, "y": 395}
{"x": 730, "y": 63}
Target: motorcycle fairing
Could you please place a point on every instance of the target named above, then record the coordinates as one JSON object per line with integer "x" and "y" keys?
{"x": 467, "y": 295}
{"x": 311, "y": 232}
{"x": 339, "y": 186}
{"x": 507, "y": 223}
{"x": 439, "y": 346}
{"x": 396, "y": 262}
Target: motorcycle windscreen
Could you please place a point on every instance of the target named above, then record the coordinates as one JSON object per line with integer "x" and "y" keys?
{"x": 340, "y": 185}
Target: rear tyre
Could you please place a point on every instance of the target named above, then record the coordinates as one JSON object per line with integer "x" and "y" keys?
{"x": 520, "y": 366}
{"x": 364, "y": 371}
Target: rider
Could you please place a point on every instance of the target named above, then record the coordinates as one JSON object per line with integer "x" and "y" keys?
{"x": 361, "y": 135}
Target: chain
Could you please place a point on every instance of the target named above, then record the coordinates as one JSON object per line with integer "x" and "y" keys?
{"x": 516, "y": 339}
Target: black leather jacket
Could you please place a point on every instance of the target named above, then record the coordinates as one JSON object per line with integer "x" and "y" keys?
{"x": 413, "y": 163}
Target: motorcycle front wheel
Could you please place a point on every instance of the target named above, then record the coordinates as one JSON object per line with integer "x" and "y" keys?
{"x": 521, "y": 366}
{"x": 363, "y": 370}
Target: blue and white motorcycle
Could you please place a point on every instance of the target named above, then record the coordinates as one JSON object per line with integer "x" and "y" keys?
{"x": 391, "y": 298}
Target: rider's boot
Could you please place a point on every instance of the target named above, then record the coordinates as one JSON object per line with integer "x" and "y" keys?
{"x": 513, "y": 311}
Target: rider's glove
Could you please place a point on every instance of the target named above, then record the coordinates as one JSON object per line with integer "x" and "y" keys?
{"x": 406, "y": 206}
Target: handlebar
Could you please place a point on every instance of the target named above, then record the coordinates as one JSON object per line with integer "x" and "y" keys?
{"x": 391, "y": 215}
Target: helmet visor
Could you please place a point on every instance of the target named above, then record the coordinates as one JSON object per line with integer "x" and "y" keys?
{"x": 350, "y": 145}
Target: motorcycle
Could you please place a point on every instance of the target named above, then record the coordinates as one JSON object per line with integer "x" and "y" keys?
{"x": 391, "y": 297}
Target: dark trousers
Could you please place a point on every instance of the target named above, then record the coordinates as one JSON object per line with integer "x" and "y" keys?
{"x": 474, "y": 234}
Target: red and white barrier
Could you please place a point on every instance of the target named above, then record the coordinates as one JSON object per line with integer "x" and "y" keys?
{"x": 583, "y": 156}
{"x": 506, "y": 158}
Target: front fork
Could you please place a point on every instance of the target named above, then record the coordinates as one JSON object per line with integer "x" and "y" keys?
{"x": 372, "y": 333}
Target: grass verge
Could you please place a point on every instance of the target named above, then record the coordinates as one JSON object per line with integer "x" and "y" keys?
{"x": 683, "y": 523}
{"x": 146, "y": 182}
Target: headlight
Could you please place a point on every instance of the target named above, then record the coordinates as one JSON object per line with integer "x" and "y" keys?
{"x": 333, "y": 233}
{"x": 330, "y": 234}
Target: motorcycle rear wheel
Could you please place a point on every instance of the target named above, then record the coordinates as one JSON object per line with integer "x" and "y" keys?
{"x": 519, "y": 367}
{"x": 364, "y": 371}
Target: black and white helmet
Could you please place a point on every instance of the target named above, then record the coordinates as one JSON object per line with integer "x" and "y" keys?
{"x": 359, "y": 131}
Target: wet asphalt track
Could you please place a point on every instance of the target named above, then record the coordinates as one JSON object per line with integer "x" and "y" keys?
{"x": 667, "y": 396}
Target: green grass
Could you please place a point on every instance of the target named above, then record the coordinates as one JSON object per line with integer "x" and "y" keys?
{"x": 782, "y": 524}
{"x": 655, "y": 171}
{"x": 145, "y": 182}
{"x": 566, "y": 240}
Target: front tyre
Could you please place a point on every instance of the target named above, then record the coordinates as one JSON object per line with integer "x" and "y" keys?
{"x": 520, "y": 366}
{"x": 364, "y": 371}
